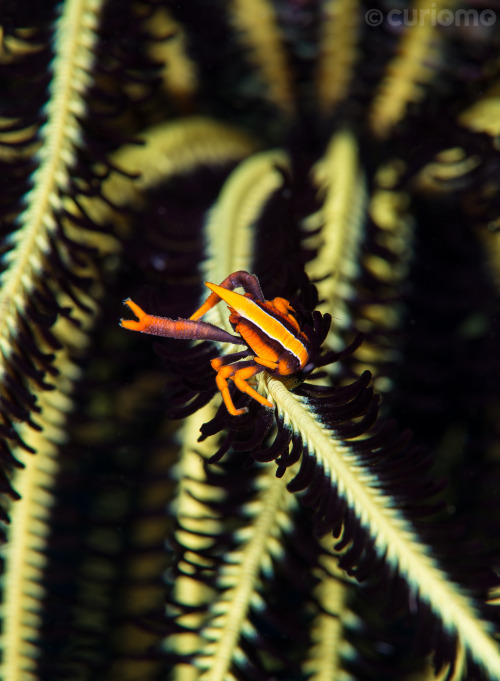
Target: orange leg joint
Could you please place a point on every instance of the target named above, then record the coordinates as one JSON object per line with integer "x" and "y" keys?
{"x": 240, "y": 378}
{"x": 223, "y": 374}
{"x": 239, "y": 374}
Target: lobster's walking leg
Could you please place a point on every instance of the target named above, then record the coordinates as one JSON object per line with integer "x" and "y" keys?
{"x": 223, "y": 373}
{"x": 240, "y": 379}
{"x": 268, "y": 363}
{"x": 220, "y": 365}
{"x": 239, "y": 373}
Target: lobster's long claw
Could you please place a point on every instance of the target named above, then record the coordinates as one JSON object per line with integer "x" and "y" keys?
{"x": 139, "y": 313}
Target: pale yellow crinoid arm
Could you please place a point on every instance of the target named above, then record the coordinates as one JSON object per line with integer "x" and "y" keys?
{"x": 393, "y": 536}
{"x": 414, "y": 66}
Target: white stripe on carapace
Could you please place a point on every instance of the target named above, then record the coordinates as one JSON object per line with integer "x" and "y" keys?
{"x": 269, "y": 325}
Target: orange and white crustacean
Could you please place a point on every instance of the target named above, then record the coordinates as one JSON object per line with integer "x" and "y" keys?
{"x": 268, "y": 328}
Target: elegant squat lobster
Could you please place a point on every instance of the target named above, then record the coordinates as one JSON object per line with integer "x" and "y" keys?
{"x": 268, "y": 327}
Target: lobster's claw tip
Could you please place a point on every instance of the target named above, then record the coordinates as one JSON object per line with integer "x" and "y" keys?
{"x": 132, "y": 324}
{"x": 138, "y": 311}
